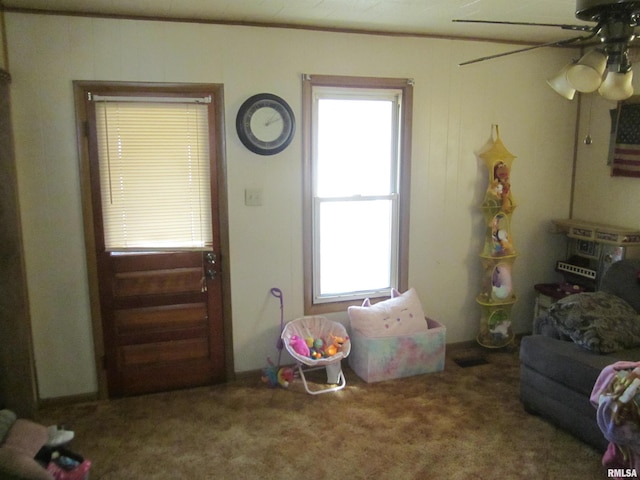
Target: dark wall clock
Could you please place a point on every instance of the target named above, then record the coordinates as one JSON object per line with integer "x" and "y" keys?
{"x": 265, "y": 124}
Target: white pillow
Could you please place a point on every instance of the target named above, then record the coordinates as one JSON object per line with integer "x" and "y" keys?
{"x": 401, "y": 315}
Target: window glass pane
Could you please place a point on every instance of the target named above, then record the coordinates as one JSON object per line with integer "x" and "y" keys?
{"x": 355, "y": 246}
{"x": 154, "y": 174}
{"x": 355, "y": 147}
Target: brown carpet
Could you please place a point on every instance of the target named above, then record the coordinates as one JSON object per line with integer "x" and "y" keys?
{"x": 462, "y": 423}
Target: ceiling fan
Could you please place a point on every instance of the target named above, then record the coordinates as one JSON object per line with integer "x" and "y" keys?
{"x": 614, "y": 31}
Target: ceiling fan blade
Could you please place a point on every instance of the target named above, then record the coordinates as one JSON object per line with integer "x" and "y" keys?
{"x": 526, "y": 49}
{"x": 582, "y": 28}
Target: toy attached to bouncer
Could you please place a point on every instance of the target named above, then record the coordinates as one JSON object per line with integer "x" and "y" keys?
{"x": 275, "y": 375}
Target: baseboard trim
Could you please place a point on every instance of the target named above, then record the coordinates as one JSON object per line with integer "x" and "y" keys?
{"x": 470, "y": 344}
{"x": 451, "y": 348}
{"x": 67, "y": 400}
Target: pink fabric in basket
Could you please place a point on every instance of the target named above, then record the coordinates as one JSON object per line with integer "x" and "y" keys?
{"x": 81, "y": 472}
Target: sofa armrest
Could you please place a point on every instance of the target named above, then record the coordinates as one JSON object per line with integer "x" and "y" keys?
{"x": 15, "y": 465}
{"x": 17, "y": 453}
{"x": 621, "y": 280}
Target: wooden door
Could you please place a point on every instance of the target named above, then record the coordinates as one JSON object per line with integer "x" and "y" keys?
{"x": 161, "y": 310}
{"x": 162, "y": 314}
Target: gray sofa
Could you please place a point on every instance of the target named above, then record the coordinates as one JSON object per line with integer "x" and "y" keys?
{"x": 561, "y": 361}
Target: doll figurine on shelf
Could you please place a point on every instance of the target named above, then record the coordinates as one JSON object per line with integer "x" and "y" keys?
{"x": 501, "y": 187}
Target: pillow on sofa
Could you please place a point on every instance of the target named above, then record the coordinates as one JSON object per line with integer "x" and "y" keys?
{"x": 597, "y": 321}
{"x": 402, "y": 314}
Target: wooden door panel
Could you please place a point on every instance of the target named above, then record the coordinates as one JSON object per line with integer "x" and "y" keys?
{"x": 157, "y": 282}
{"x": 162, "y": 318}
{"x": 149, "y": 301}
{"x": 163, "y": 352}
{"x": 155, "y": 378}
{"x": 156, "y": 261}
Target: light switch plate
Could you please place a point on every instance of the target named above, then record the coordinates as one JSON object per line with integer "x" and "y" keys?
{"x": 253, "y": 197}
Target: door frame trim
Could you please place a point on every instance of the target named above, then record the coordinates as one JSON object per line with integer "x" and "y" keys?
{"x": 81, "y": 88}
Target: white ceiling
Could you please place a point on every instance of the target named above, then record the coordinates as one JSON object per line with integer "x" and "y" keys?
{"x": 423, "y": 17}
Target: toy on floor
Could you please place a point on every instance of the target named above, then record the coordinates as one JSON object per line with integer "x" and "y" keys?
{"x": 58, "y": 436}
{"x": 285, "y": 376}
{"x": 277, "y": 376}
{"x": 270, "y": 374}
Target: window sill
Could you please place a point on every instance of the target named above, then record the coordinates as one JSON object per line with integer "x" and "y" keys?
{"x": 330, "y": 307}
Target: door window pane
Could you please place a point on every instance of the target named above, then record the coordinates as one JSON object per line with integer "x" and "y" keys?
{"x": 154, "y": 174}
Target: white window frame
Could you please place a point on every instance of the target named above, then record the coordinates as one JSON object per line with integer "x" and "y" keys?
{"x": 338, "y": 93}
{"x": 400, "y": 92}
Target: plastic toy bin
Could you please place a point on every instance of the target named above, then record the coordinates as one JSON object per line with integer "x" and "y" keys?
{"x": 384, "y": 358}
{"x": 78, "y": 471}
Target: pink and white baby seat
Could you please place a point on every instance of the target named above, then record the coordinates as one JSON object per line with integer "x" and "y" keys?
{"x": 317, "y": 342}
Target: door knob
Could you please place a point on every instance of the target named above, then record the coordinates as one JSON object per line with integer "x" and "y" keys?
{"x": 211, "y": 273}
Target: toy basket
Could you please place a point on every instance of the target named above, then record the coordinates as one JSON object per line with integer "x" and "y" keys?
{"x": 322, "y": 328}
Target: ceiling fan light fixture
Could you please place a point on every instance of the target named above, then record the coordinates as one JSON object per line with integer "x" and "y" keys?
{"x": 560, "y": 83}
{"x": 586, "y": 75}
{"x": 615, "y": 27}
{"x": 617, "y": 85}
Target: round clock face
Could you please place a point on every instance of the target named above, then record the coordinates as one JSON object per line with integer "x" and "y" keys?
{"x": 265, "y": 124}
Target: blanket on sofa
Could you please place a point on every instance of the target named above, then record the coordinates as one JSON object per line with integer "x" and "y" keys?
{"x": 598, "y": 321}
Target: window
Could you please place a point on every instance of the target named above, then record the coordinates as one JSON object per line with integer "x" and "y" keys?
{"x": 154, "y": 172}
{"x": 357, "y": 151}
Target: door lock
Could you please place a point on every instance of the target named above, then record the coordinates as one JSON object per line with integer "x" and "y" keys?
{"x": 210, "y": 259}
{"x": 211, "y": 273}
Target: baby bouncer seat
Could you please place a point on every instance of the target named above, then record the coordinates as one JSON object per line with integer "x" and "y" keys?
{"x": 317, "y": 327}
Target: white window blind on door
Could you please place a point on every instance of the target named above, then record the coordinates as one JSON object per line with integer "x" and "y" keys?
{"x": 154, "y": 174}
